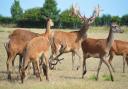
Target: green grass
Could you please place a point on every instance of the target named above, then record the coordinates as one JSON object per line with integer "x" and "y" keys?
{"x": 92, "y": 77}
{"x": 106, "y": 77}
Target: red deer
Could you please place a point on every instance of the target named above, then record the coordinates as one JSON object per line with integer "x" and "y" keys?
{"x": 15, "y": 46}
{"x": 99, "y": 48}
{"x": 36, "y": 48}
{"x": 65, "y": 42}
{"x": 119, "y": 48}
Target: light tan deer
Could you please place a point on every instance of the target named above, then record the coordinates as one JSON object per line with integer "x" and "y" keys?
{"x": 36, "y": 48}
{"x": 119, "y": 48}
{"x": 65, "y": 42}
{"x": 99, "y": 48}
{"x": 15, "y": 46}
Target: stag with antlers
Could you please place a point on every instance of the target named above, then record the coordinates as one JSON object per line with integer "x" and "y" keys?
{"x": 64, "y": 42}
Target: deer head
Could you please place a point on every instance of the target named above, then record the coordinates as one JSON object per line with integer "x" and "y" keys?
{"x": 76, "y": 12}
{"x": 50, "y": 22}
{"x": 115, "y": 28}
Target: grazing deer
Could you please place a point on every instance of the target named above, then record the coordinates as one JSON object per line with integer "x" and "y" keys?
{"x": 119, "y": 48}
{"x": 65, "y": 42}
{"x": 15, "y": 46}
{"x": 99, "y": 48}
{"x": 36, "y": 48}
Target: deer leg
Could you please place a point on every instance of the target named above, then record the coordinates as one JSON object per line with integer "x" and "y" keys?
{"x": 108, "y": 69}
{"x": 73, "y": 59}
{"x": 9, "y": 61}
{"x": 13, "y": 65}
{"x": 38, "y": 69}
{"x": 20, "y": 62}
{"x": 24, "y": 69}
{"x": 84, "y": 66}
{"x": 41, "y": 63}
{"x": 110, "y": 62}
{"x": 46, "y": 65}
{"x": 79, "y": 57}
{"x": 124, "y": 57}
{"x": 99, "y": 67}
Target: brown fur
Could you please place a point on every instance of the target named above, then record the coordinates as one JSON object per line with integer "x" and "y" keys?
{"x": 119, "y": 48}
{"x": 99, "y": 48}
{"x": 71, "y": 41}
{"x": 36, "y": 48}
{"x": 16, "y": 45}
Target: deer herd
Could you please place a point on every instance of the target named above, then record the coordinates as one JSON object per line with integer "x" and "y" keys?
{"x": 34, "y": 48}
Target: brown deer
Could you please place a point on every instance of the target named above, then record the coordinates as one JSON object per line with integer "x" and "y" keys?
{"x": 36, "y": 48}
{"x": 15, "y": 46}
{"x": 65, "y": 42}
{"x": 119, "y": 48}
{"x": 99, "y": 48}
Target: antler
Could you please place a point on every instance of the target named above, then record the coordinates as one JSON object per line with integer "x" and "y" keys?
{"x": 94, "y": 15}
{"x": 76, "y": 12}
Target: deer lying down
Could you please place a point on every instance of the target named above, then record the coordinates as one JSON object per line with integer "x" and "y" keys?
{"x": 15, "y": 46}
{"x": 99, "y": 48}
{"x": 119, "y": 48}
{"x": 36, "y": 48}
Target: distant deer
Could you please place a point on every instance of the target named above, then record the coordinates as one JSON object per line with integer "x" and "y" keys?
{"x": 99, "y": 48}
{"x": 119, "y": 48}
{"x": 36, "y": 48}
{"x": 15, "y": 46}
{"x": 65, "y": 42}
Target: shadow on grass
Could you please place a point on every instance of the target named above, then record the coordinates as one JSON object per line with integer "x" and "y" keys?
{"x": 14, "y": 77}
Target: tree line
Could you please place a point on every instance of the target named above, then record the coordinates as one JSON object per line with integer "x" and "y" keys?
{"x": 36, "y": 17}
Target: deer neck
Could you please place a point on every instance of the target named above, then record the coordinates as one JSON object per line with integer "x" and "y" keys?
{"x": 48, "y": 29}
{"x": 83, "y": 31}
{"x": 110, "y": 39}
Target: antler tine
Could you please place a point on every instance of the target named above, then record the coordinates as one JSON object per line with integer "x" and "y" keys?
{"x": 95, "y": 14}
{"x": 76, "y": 12}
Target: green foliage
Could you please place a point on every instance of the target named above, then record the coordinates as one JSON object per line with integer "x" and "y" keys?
{"x": 16, "y": 10}
{"x": 107, "y": 19}
{"x": 35, "y": 17}
{"x": 106, "y": 77}
{"x": 50, "y": 9}
{"x": 124, "y": 20}
{"x": 116, "y": 19}
{"x": 66, "y": 20}
{"x": 32, "y": 18}
{"x": 32, "y": 14}
{"x": 92, "y": 77}
{"x": 5, "y": 20}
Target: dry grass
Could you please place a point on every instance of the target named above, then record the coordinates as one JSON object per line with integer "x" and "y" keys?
{"x": 64, "y": 77}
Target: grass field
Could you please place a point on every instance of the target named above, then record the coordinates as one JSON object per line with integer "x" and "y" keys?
{"x": 64, "y": 77}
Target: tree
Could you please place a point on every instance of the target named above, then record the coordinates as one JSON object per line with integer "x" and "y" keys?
{"x": 124, "y": 20}
{"x": 106, "y": 19}
{"x": 50, "y": 10}
{"x": 116, "y": 19}
{"x": 68, "y": 21}
{"x": 32, "y": 14}
{"x": 16, "y": 10}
